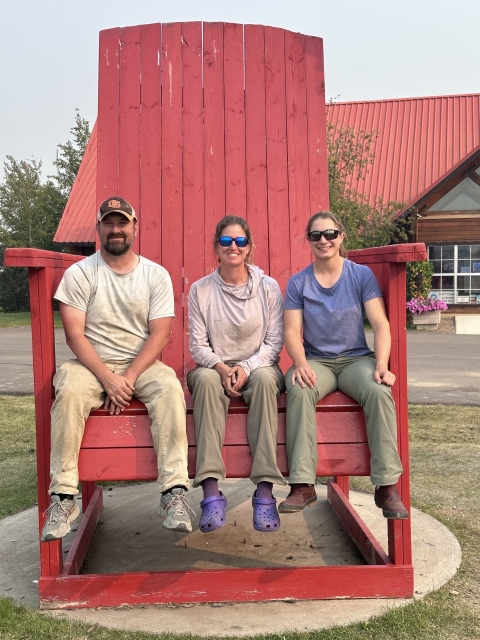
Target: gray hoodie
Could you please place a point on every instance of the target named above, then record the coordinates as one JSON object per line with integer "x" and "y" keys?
{"x": 241, "y": 324}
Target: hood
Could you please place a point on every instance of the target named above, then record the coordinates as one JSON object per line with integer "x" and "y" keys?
{"x": 242, "y": 291}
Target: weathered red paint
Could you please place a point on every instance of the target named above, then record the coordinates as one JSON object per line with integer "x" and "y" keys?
{"x": 228, "y": 585}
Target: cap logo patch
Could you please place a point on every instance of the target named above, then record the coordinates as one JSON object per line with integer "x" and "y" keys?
{"x": 114, "y": 204}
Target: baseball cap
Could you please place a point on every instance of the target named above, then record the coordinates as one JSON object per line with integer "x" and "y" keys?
{"x": 115, "y": 204}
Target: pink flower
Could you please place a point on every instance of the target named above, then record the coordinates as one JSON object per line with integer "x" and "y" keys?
{"x": 422, "y": 305}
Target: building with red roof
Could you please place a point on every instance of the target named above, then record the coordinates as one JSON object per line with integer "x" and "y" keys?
{"x": 427, "y": 156}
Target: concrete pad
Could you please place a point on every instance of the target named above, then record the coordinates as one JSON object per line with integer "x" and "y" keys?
{"x": 131, "y": 538}
{"x": 467, "y": 325}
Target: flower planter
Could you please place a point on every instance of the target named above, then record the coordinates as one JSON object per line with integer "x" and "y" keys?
{"x": 427, "y": 321}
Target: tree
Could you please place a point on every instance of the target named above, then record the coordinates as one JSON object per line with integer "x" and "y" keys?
{"x": 70, "y": 155}
{"x": 350, "y": 154}
{"x": 29, "y": 214}
{"x": 30, "y": 209}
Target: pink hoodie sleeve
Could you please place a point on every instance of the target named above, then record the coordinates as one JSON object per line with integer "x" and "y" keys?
{"x": 272, "y": 344}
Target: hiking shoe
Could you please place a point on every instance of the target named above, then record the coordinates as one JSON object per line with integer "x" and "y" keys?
{"x": 388, "y": 500}
{"x": 60, "y": 514}
{"x": 300, "y": 496}
{"x": 175, "y": 510}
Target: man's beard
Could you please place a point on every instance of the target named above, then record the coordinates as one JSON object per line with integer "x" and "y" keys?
{"x": 117, "y": 248}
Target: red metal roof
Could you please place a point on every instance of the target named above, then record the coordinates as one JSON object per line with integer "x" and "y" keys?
{"x": 419, "y": 141}
{"x": 419, "y": 201}
{"x": 77, "y": 225}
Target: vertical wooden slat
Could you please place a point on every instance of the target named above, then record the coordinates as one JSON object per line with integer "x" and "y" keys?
{"x": 150, "y": 211}
{"x": 195, "y": 243}
{"x": 343, "y": 483}
{"x": 108, "y": 115}
{"x": 277, "y": 176}
{"x": 255, "y": 142}
{"x": 235, "y": 191}
{"x": 316, "y": 125}
{"x": 392, "y": 280}
{"x": 298, "y": 177}
{"x": 129, "y": 124}
{"x": 172, "y": 182}
{"x": 43, "y": 350}
{"x": 400, "y": 548}
{"x": 214, "y": 131}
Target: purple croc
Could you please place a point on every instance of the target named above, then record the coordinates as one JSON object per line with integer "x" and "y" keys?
{"x": 214, "y": 513}
{"x": 265, "y": 514}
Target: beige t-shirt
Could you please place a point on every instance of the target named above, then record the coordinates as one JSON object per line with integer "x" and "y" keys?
{"x": 118, "y": 306}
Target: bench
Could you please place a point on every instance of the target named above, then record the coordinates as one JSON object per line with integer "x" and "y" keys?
{"x": 120, "y": 448}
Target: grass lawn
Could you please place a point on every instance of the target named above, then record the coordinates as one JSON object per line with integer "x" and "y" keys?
{"x": 445, "y": 456}
{"x": 22, "y": 319}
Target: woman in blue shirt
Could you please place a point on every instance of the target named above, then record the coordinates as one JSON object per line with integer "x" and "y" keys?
{"x": 325, "y": 338}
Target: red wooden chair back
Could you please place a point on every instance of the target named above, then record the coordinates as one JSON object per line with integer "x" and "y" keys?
{"x": 198, "y": 121}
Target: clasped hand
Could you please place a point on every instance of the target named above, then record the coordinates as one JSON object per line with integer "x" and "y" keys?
{"x": 119, "y": 390}
{"x": 233, "y": 378}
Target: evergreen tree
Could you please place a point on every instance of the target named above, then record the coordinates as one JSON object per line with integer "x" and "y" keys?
{"x": 30, "y": 209}
{"x": 70, "y": 154}
{"x": 29, "y": 214}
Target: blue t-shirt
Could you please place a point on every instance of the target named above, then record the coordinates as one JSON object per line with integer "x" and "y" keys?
{"x": 333, "y": 318}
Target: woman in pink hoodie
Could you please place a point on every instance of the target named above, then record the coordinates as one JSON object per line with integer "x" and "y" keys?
{"x": 236, "y": 334}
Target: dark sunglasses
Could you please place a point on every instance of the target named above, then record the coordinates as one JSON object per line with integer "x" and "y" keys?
{"x": 328, "y": 234}
{"x": 226, "y": 241}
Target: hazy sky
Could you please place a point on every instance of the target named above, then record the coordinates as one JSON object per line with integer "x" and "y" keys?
{"x": 374, "y": 49}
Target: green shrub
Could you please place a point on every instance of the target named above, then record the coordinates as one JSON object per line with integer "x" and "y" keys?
{"x": 419, "y": 279}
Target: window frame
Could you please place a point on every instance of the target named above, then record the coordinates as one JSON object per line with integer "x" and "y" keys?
{"x": 455, "y": 273}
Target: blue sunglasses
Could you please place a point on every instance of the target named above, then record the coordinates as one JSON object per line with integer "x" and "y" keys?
{"x": 226, "y": 241}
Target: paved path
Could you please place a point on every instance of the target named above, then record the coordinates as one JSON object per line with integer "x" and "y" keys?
{"x": 442, "y": 368}
{"x": 16, "y": 364}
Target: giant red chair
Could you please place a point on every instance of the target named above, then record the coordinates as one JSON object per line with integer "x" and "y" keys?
{"x": 197, "y": 121}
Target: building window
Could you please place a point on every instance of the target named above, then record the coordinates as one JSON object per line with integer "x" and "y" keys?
{"x": 465, "y": 196}
{"x": 456, "y": 273}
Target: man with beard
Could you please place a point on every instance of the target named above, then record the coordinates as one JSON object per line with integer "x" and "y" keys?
{"x": 117, "y": 312}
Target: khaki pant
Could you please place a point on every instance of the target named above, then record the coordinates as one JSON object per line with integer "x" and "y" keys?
{"x": 78, "y": 391}
{"x": 353, "y": 376}
{"x": 210, "y": 409}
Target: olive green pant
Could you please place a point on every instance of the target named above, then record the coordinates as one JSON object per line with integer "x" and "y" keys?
{"x": 78, "y": 391}
{"x": 210, "y": 409}
{"x": 353, "y": 376}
